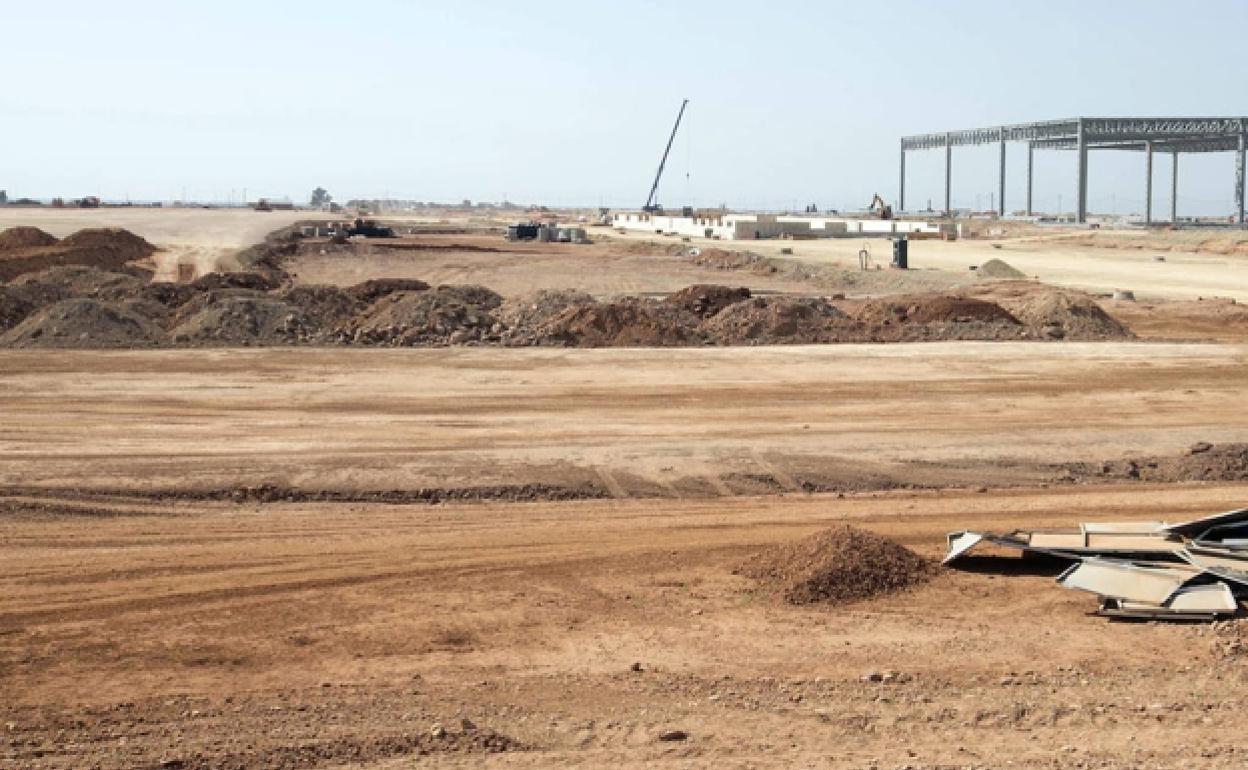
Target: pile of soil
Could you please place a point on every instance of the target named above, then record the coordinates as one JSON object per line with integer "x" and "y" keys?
{"x": 245, "y": 320}
{"x": 837, "y": 566}
{"x": 529, "y": 311}
{"x": 447, "y": 315}
{"x": 16, "y": 238}
{"x": 243, "y": 280}
{"x": 329, "y": 305}
{"x": 109, "y": 244}
{"x": 629, "y": 322}
{"x": 1203, "y": 462}
{"x": 105, "y": 248}
{"x": 705, "y": 300}
{"x": 83, "y": 323}
{"x": 368, "y": 292}
{"x": 780, "y": 321}
{"x": 1066, "y": 315}
{"x": 84, "y": 281}
{"x": 997, "y": 268}
{"x": 14, "y": 307}
{"x": 926, "y": 309}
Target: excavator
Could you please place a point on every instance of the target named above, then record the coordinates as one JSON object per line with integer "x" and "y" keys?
{"x": 880, "y": 208}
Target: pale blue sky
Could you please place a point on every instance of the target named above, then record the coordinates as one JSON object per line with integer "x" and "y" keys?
{"x": 570, "y": 102}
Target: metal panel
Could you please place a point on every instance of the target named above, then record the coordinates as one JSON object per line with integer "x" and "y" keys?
{"x": 1126, "y": 580}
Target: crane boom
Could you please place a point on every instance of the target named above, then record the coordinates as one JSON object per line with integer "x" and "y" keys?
{"x": 654, "y": 188}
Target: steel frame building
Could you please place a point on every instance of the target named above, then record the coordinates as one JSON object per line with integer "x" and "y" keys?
{"x": 1148, "y": 135}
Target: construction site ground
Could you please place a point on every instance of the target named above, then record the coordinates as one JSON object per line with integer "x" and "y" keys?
{"x": 366, "y": 558}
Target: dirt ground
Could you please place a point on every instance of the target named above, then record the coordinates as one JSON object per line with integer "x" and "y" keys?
{"x": 206, "y": 238}
{"x": 290, "y": 558}
{"x": 1102, "y": 263}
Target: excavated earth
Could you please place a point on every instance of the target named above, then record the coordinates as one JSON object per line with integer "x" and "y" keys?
{"x": 81, "y": 306}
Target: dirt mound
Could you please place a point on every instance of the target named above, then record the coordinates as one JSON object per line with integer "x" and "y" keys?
{"x": 171, "y": 295}
{"x": 245, "y": 320}
{"x": 529, "y": 311}
{"x": 1064, "y": 315}
{"x": 778, "y": 321}
{"x": 254, "y": 281}
{"x": 113, "y": 242}
{"x": 705, "y": 300}
{"x": 83, "y": 323}
{"x": 447, "y": 315}
{"x": 1202, "y": 462}
{"x": 722, "y": 259}
{"x": 926, "y": 309}
{"x": 106, "y": 249}
{"x": 84, "y": 281}
{"x": 25, "y": 238}
{"x": 629, "y": 322}
{"x": 329, "y": 305}
{"x": 370, "y": 291}
{"x": 14, "y": 307}
{"x": 997, "y": 268}
{"x": 837, "y": 566}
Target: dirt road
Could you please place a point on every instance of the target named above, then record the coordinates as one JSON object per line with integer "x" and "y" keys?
{"x": 629, "y": 421}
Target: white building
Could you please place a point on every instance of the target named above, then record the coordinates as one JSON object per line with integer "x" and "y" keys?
{"x": 744, "y": 227}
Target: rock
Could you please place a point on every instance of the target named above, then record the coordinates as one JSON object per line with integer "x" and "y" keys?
{"x": 873, "y": 676}
{"x": 1199, "y": 447}
{"x": 635, "y": 668}
{"x": 437, "y": 731}
{"x": 674, "y": 735}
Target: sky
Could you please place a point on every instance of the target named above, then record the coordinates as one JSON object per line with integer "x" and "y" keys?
{"x": 570, "y": 103}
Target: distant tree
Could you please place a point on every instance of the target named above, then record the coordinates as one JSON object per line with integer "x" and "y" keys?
{"x": 4, "y": 197}
{"x": 321, "y": 198}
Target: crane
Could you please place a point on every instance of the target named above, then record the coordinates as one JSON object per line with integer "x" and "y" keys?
{"x": 651, "y": 206}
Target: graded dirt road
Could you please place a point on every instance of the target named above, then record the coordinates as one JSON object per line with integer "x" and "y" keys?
{"x": 641, "y": 422}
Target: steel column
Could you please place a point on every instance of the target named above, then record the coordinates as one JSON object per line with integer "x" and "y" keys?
{"x": 1031, "y": 160}
{"x": 1001, "y": 182}
{"x": 1148, "y": 183}
{"x": 1239, "y": 180}
{"x": 901, "y": 186}
{"x": 1081, "y": 199}
{"x": 948, "y": 175}
{"x": 1174, "y": 191}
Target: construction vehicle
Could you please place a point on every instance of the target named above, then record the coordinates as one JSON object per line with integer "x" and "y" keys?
{"x": 651, "y": 206}
{"x": 881, "y": 209}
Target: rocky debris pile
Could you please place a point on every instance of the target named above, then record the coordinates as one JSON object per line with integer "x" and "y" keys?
{"x": 628, "y": 322}
{"x": 1071, "y": 316}
{"x": 330, "y": 305}
{"x": 370, "y": 291}
{"x": 247, "y": 321}
{"x": 837, "y": 566}
{"x": 705, "y": 300}
{"x": 1202, "y": 462}
{"x": 16, "y": 238}
{"x": 83, "y": 323}
{"x": 531, "y": 310}
{"x": 781, "y": 321}
{"x": 447, "y": 315}
{"x": 999, "y": 269}
{"x": 14, "y": 306}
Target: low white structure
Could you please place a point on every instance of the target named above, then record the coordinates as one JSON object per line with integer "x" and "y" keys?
{"x": 738, "y": 227}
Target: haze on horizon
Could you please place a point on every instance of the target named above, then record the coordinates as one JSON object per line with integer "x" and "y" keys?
{"x": 570, "y": 103}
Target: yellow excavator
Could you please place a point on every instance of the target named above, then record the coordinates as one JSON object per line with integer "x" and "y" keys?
{"x": 880, "y": 208}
